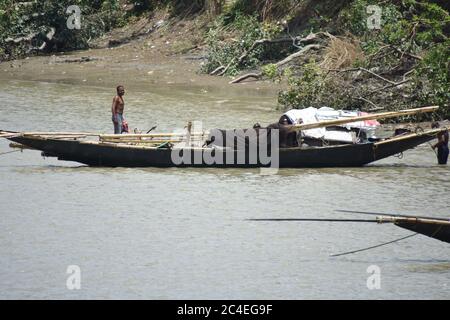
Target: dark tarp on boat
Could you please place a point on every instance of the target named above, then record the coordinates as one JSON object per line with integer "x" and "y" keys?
{"x": 257, "y": 136}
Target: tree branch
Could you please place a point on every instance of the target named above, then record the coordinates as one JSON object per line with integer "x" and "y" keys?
{"x": 279, "y": 63}
{"x": 220, "y": 71}
{"x": 365, "y": 70}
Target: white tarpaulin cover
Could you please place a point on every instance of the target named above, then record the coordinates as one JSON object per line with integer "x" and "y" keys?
{"x": 312, "y": 115}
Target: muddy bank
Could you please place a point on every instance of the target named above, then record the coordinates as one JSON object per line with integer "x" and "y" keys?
{"x": 160, "y": 61}
{"x": 139, "y": 65}
{"x": 145, "y": 70}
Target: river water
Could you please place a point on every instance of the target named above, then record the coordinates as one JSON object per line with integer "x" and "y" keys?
{"x": 181, "y": 233}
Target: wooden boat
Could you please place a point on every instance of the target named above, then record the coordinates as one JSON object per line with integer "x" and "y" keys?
{"x": 125, "y": 154}
{"x": 436, "y": 228}
{"x": 157, "y": 150}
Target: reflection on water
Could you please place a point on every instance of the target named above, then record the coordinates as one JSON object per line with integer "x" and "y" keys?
{"x": 182, "y": 232}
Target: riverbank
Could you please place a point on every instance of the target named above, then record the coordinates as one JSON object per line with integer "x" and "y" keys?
{"x": 131, "y": 65}
{"x": 144, "y": 70}
{"x": 168, "y": 57}
{"x": 162, "y": 52}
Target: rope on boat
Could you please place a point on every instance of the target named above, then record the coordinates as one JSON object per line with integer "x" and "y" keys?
{"x": 3, "y": 153}
{"x": 372, "y": 247}
{"x": 399, "y": 155}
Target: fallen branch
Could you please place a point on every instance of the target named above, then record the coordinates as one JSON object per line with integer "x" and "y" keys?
{"x": 279, "y": 63}
{"x": 297, "y": 54}
{"x": 376, "y": 108}
{"x": 220, "y": 71}
{"x": 216, "y": 70}
{"x": 365, "y": 70}
{"x": 226, "y": 68}
{"x": 309, "y": 38}
{"x": 246, "y": 76}
{"x": 77, "y": 60}
{"x": 388, "y": 86}
{"x": 404, "y": 53}
{"x": 28, "y": 38}
{"x": 408, "y": 73}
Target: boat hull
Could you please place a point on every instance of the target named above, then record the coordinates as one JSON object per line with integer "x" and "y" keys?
{"x": 436, "y": 231}
{"x": 117, "y": 155}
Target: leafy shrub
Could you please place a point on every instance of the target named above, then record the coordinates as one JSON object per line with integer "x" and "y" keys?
{"x": 223, "y": 53}
{"x": 38, "y": 18}
{"x": 433, "y": 77}
{"x": 313, "y": 87}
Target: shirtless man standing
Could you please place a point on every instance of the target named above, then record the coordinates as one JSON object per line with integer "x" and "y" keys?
{"x": 117, "y": 110}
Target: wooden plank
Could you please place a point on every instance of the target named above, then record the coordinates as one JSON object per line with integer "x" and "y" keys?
{"x": 6, "y": 135}
{"x": 142, "y": 141}
{"x": 60, "y": 134}
{"x": 407, "y": 136}
{"x": 150, "y": 135}
{"x": 375, "y": 116}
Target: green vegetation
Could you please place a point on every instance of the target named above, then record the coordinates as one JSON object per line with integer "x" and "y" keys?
{"x": 400, "y": 60}
{"x": 244, "y": 30}
{"x": 433, "y": 76}
{"x": 312, "y": 87}
{"x": 24, "y": 25}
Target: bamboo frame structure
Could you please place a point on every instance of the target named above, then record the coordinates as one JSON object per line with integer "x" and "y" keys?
{"x": 196, "y": 136}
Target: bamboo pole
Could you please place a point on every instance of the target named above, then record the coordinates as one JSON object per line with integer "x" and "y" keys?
{"x": 407, "y": 136}
{"x": 143, "y": 141}
{"x": 102, "y": 136}
{"x": 383, "y": 115}
{"x": 64, "y": 137}
{"x": 394, "y": 219}
{"x": 391, "y": 215}
{"x": 84, "y": 134}
{"x": 6, "y": 135}
{"x": 150, "y": 135}
{"x": 149, "y": 141}
{"x": 20, "y": 146}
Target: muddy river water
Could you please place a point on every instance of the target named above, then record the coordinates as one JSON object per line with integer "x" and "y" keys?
{"x": 181, "y": 233}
